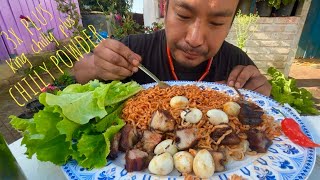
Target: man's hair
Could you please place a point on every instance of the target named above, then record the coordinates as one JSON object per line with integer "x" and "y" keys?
{"x": 238, "y": 7}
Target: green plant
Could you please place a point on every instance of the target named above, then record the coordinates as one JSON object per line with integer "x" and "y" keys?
{"x": 277, "y": 3}
{"x": 92, "y": 5}
{"x": 70, "y": 8}
{"x": 244, "y": 25}
{"x": 285, "y": 90}
{"x": 122, "y": 19}
{"x": 155, "y": 27}
{"x": 64, "y": 80}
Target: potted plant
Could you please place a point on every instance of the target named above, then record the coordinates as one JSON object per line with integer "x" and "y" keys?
{"x": 245, "y": 6}
{"x": 264, "y": 8}
{"x": 285, "y": 8}
{"x": 92, "y": 12}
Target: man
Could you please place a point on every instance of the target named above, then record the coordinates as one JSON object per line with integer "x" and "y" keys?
{"x": 191, "y": 47}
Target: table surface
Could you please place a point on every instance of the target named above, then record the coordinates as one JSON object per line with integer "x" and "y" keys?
{"x": 36, "y": 170}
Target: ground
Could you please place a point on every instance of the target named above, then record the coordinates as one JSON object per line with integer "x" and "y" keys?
{"x": 307, "y": 74}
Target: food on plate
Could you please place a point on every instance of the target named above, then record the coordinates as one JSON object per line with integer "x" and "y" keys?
{"x": 196, "y": 130}
{"x": 161, "y": 164}
{"x": 217, "y": 116}
{"x": 166, "y": 146}
{"x": 191, "y": 115}
{"x": 203, "y": 164}
{"x": 231, "y": 108}
{"x": 183, "y": 161}
{"x": 136, "y": 160}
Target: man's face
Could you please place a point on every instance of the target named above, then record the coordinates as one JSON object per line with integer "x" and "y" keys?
{"x": 196, "y": 29}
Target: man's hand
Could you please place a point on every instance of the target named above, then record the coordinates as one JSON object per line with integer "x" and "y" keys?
{"x": 114, "y": 61}
{"x": 249, "y": 77}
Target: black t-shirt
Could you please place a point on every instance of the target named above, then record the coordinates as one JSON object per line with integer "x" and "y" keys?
{"x": 152, "y": 49}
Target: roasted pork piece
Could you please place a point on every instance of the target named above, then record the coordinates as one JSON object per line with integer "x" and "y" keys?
{"x": 258, "y": 141}
{"x": 150, "y": 140}
{"x": 230, "y": 139}
{"x": 162, "y": 120}
{"x": 250, "y": 113}
{"x": 219, "y": 160}
{"x": 186, "y": 138}
{"x": 129, "y": 137}
{"x": 114, "y": 149}
{"x": 136, "y": 160}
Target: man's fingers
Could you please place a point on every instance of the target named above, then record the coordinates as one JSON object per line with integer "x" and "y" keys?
{"x": 265, "y": 89}
{"x": 114, "y": 69}
{"x": 255, "y": 82}
{"x": 244, "y": 75}
{"x": 234, "y": 75}
{"x": 114, "y": 58}
{"x": 122, "y": 50}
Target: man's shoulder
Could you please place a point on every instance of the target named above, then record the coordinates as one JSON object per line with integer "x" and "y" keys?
{"x": 144, "y": 36}
{"x": 232, "y": 53}
{"x": 226, "y": 47}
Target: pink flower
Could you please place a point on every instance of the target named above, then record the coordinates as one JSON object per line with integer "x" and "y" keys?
{"x": 118, "y": 18}
{"x": 49, "y": 88}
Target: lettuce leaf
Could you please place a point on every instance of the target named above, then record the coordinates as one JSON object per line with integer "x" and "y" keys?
{"x": 119, "y": 92}
{"x": 94, "y": 150}
{"x": 78, "y": 122}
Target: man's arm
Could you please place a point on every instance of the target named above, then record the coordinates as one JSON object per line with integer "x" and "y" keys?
{"x": 111, "y": 60}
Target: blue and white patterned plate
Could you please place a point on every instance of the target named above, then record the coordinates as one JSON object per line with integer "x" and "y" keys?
{"x": 284, "y": 159}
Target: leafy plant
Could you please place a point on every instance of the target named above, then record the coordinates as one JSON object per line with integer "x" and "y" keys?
{"x": 70, "y": 8}
{"x": 277, "y": 3}
{"x": 285, "y": 90}
{"x": 155, "y": 27}
{"x": 64, "y": 80}
{"x": 92, "y": 5}
{"x": 245, "y": 25}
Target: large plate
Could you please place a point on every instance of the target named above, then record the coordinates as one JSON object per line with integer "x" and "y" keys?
{"x": 284, "y": 159}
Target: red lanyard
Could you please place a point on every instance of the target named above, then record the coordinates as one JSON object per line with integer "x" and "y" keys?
{"x": 205, "y": 73}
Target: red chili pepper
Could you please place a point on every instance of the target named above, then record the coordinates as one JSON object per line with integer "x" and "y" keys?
{"x": 292, "y": 129}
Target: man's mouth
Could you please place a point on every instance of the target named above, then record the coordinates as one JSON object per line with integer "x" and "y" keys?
{"x": 191, "y": 55}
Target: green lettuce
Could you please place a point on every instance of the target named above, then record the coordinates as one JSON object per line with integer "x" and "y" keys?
{"x": 76, "y": 123}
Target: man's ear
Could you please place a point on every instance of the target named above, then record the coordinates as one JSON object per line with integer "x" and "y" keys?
{"x": 166, "y": 5}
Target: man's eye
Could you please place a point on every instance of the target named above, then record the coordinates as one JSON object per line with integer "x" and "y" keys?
{"x": 183, "y": 17}
{"x": 216, "y": 24}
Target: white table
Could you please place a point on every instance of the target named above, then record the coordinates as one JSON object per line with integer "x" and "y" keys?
{"x": 36, "y": 170}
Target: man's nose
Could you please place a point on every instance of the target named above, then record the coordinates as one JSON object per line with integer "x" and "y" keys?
{"x": 195, "y": 35}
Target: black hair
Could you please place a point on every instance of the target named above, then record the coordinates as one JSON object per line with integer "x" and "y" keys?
{"x": 238, "y": 7}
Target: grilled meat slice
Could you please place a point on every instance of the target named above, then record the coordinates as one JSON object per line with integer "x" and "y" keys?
{"x": 115, "y": 146}
{"x": 186, "y": 138}
{"x": 230, "y": 139}
{"x": 136, "y": 160}
{"x": 258, "y": 141}
{"x": 150, "y": 140}
{"x": 250, "y": 113}
{"x": 163, "y": 121}
{"x": 220, "y": 159}
{"x": 129, "y": 137}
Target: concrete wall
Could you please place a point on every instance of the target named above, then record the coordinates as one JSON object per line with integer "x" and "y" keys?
{"x": 275, "y": 41}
